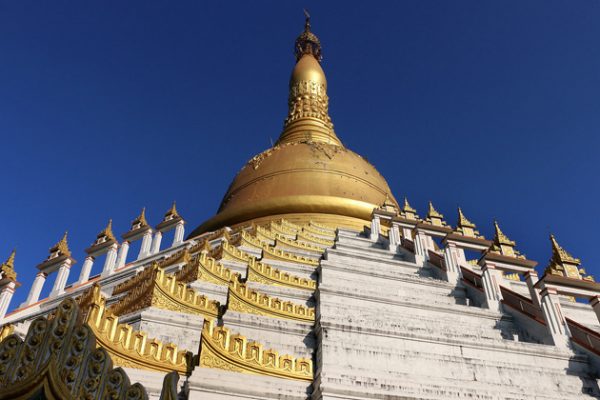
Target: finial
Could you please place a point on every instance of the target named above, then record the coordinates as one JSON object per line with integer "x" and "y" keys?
{"x": 308, "y": 42}
{"x": 502, "y": 244}
{"x": 408, "y": 212}
{"x": 140, "y": 221}
{"x": 172, "y": 212}
{"x": 560, "y": 255}
{"x": 107, "y": 232}
{"x": 564, "y": 264}
{"x": 464, "y": 226}
{"x": 407, "y": 206}
{"x": 62, "y": 247}
{"x": 8, "y": 267}
{"x": 434, "y": 217}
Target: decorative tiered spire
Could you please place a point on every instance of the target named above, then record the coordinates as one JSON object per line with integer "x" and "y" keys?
{"x": 388, "y": 205}
{"x": 308, "y": 42}
{"x": 434, "y": 217}
{"x": 564, "y": 264}
{"x": 107, "y": 233}
{"x": 172, "y": 213}
{"x": 139, "y": 221}
{"x": 464, "y": 226}
{"x": 61, "y": 248}
{"x": 503, "y": 245}
{"x": 8, "y": 267}
{"x": 409, "y": 212}
{"x": 308, "y": 105}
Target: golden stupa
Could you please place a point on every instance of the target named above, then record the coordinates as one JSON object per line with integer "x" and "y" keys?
{"x": 308, "y": 174}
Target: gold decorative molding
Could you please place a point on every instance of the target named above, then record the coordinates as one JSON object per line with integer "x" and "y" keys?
{"x": 564, "y": 264}
{"x": 204, "y": 245}
{"x": 182, "y": 256}
{"x": 264, "y": 273}
{"x": 7, "y": 268}
{"x": 264, "y": 234}
{"x": 133, "y": 349}
{"x": 315, "y": 231}
{"x": 297, "y": 245}
{"x": 283, "y": 230}
{"x": 59, "y": 360}
{"x": 207, "y": 269}
{"x": 226, "y": 251}
{"x": 243, "y": 299}
{"x": 246, "y": 239}
{"x": 434, "y": 217}
{"x": 503, "y": 245}
{"x": 165, "y": 292}
{"x": 309, "y": 237}
{"x": 6, "y": 330}
{"x": 222, "y": 350}
{"x": 466, "y": 227}
{"x": 276, "y": 254}
{"x": 325, "y": 227}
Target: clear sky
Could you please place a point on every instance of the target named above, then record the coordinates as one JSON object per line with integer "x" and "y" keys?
{"x": 110, "y": 106}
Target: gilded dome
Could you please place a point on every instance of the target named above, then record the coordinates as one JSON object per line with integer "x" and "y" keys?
{"x": 308, "y": 174}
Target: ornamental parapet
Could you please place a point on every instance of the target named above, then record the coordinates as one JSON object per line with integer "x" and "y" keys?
{"x": 264, "y": 273}
{"x": 60, "y": 359}
{"x": 265, "y": 234}
{"x": 328, "y": 235}
{"x": 246, "y": 239}
{"x": 276, "y": 254}
{"x": 163, "y": 291}
{"x": 281, "y": 229}
{"x": 297, "y": 245}
{"x": 182, "y": 256}
{"x": 226, "y": 251}
{"x": 223, "y": 350}
{"x": 243, "y": 299}
{"x": 304, "y": 235}
{"x": 133, "y": 349}
{"x": 321, "y": 227}
{"x": 207, "y": 269}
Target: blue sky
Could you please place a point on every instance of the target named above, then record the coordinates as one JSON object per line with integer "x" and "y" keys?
{"x": 107, "y": 107}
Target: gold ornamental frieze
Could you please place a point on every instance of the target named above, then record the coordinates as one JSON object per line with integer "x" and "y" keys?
{"x": 319, "y": 233}
{"x": 276, "y": 254}
{"x": 264, "y": 273}
{"x": 206, "y": 268}
{"x": 182, "y": 256}
{"x": 164, "y": 291}
{"x": 130, "y": 348}
{"x": 223, "y": 350}
{"x": 6, "y": 330}
{"x": 265, "y": 234}
{"x": 309, "y": 237}
{"x": 281, "y": 229}
{"x": 324, "y": 228}
{"x": 60, "y": 359}
{"x": 247, "y": 240}
{"x": 226, "y": 251}
{"x": 243, "y": 299}
{"x": 297, "y": 245}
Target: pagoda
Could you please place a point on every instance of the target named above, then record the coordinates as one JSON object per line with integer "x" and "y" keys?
{"x": 310, "y": 282}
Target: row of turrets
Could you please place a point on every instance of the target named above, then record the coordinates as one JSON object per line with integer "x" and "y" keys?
{"x": 60, "y": 259}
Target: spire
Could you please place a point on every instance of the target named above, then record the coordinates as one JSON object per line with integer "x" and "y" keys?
{"x": 172, "y": 212}
{"x": 107, "y": 232}
{"x": 408, "y": 211}
{"x": 464, "y": 226}
{"x": 139, "y": 221}
{"x": 502, "y": 244}
{"x": 434, "y": 217}
{"x": 8, "y": 267}
{"x": 308, "y": 116}
{"x": 564, "y": 264}
{"x": 61, "y": 248}
{"x": 307, "y": 42}
{"x": 388, "y": 205}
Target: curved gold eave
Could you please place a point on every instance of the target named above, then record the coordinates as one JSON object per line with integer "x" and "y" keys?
{"x": 345, "y": 212}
